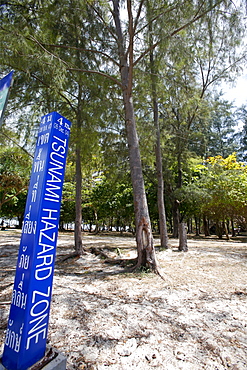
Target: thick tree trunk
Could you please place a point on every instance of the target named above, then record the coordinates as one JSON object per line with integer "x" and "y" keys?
{"x": 205, "y": 226}
{"x": 219, "y": 229}
{"x": 183, "y": 247}
{"x": 144, "y": 238}
{"x": 145, "y": 248}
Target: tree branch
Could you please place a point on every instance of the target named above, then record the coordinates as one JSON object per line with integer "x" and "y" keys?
{"x": 102, "y": 19}
{"x": 154, "y": 18}
{"x": 12, "y": 196}
{"x": 9, "y": 138}
{"x": 115, "y": 80}
{"x": 76, "y": 69}
{"x": 138, "y": 16}
{"x": 81, "y": 49}
{"x": 32, "y": 38}
{"x": 177, "y": 30}
{"x": 120, "y": 38}
{"x": 48, "y": 85}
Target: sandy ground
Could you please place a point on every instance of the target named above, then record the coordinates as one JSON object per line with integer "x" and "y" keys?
{"x": 103, "y": 317}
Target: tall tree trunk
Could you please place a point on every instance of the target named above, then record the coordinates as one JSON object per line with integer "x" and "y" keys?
{"x": 182, "y": 247}
{"x": 144, "y": 238}
{"x": 182, "y": 230}
{"x": 205, "y": 226}
{"x": 232, "y": 227}
{"x": 176, "y": 204}
{"x": 159, "y": 170}
{"x": 225, "y": 227}
{"x": 189, "y": 226}
{"x": 175, "y": 218}
{"x": 164, "y": 240}
{"x": 197, "y": 223}
{"x": 78, "y": 208}
{"x": 145, "y": 248}
{"x": 219, "y": 229}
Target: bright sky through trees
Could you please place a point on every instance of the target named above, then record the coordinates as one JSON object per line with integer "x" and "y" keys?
{"x": 236, "y": 92}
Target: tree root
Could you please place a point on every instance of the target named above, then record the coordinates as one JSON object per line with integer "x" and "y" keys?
{"x": 73, "y": 255}
{"x": 149, "y": 267}
{"x": 99, "y": 252}
{"x": 119, "y": 261}
{"x": 109, "y": 260}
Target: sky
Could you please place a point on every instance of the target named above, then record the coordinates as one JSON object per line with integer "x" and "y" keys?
{"x": 237, "y": 93}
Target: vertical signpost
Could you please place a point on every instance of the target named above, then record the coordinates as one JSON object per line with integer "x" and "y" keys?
{"x": 5, "y": 84}
{"x": 25, "y": 341}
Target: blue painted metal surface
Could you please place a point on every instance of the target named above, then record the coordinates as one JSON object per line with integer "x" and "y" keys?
{"x": 25, "y": 341}
{"x": 5, "y": 84}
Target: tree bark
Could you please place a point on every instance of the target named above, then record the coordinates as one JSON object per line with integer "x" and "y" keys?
{"x": 183, "y": 247}
{"x": 219, "y": 229}
{"x": 175, "y": 218}
{"x": 78, "y": 208}
{"x": 232, "y": 227}
{"x": 197, "y": 223}
{"x": 225, "y": 227}
{"x": 205, "y": 226}
{"x": 144, "y": 238}
{"x": 145, "y": 248}
{"x": 164, "y": 240}
{"x": 176, "y": 204}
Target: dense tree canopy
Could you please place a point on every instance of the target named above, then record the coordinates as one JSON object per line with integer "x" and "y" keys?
{"x": 216, "y": 190}
{"x": 131, "y": 76}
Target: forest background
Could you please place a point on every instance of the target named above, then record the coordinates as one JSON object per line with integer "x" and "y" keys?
{"x": 154, "y": 145}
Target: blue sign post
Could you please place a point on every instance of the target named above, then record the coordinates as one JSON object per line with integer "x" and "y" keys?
{"x": 5, "y": 84}
{"x": 25, "y": 341}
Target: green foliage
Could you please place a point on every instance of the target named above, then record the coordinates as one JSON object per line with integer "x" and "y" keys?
{"x": 15, "y": 167}
{"x": 220, "y": 137}
{"x": 113, "y": 203}
{"x": 52, "y": 46}
{"x": 217, "y": 190}
{"x": 67, "y": 214}
{"x": 227, "y": 183}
